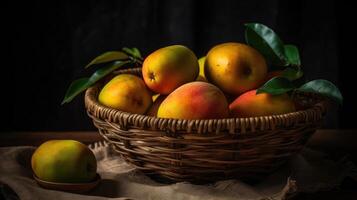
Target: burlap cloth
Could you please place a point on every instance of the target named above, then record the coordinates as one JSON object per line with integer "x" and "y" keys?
{"x": 308, "y": 171}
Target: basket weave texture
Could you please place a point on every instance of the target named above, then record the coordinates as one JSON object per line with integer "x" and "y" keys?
{"x": 205, "y": 150}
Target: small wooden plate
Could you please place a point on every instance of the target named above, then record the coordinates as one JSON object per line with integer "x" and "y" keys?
{"x": 69, "y": 187}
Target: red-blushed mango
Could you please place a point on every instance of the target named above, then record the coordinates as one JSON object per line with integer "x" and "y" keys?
{"x": 195, "y": 100}
{"x": 168, "y": 68}
{"x": 235, "y": 68}
{"x": 251, "y": 104}
{"x": 127, "y": 93}
{"x": 155, "y": 106}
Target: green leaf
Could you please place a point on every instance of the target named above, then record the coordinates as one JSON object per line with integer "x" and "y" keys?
{"x": 82, "y": 84}
{"x": 292, "y": 54}
{"x": 137, "y": 52}
{"x": 108, "y": 57}
{"x": 74, "y": 89}
{"x": 102, "y": 72}
{"x": 133, "y": 52}
{"x": 292, "y": 73}
{"x": 276, "y": 86}
{"x": 266, "y": 42}
{"x": 323, "y": 87}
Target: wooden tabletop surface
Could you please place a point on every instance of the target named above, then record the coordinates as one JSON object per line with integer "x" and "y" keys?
{"x": 334, "y": 142}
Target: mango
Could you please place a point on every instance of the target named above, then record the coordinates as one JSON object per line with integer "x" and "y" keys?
{"x": 127, "y": 93}
{"x": 235, "y": 68}
{"x": 64, "y": 161}
{"x": 195, "y": 100}
{"x": 251, "y": 104}
{"x": 155, "y": 96}
{"x": 201, "y": 75}
{"x": 168, "y": 68}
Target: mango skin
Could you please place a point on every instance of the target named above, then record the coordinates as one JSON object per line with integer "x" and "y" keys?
{"x": 201, "y": 75}
{"x": 195, "y": 100}
{"x": 155, "y": 96}
{"x": 251, "y": 104}
{"x": 64, "y": 161}
{"x": 235, "y": 68}
{"x": 168, "y": 68}
{"x": 127, "y": 93}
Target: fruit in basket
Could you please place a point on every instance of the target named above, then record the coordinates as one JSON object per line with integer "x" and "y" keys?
{"x": 235, "y": 68}
{"x": 168, "y": 68}
{"x": 155, "y": 106}
{"x": 201, "y": 75}
{"x": 251, "y": 104}
{"x": 127, "y": 93}
{"x": 155, "y": 96}
{"x": 195, "y": 100}
{"x": 64, "y": 161}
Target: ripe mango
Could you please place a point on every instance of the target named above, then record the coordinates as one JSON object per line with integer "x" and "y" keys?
{"x": 168, "y": 68}
{"x": 195, "y": 100}
{"x": 235, "y": 68}
{"x": 251, "y": 104}
{"x": 127, "y": 93}
{"x": 64, "y": 161}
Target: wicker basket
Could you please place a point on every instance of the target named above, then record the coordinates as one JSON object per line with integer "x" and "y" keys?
{"x": 206, "y": 150}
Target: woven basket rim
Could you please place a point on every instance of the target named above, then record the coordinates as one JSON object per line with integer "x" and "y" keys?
{"x": 127, "y": 120}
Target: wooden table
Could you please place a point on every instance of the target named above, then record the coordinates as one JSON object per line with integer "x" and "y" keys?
{"x": 333, "y": 142}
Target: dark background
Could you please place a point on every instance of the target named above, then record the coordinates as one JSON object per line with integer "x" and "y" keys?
{"x": 51, "y": 41}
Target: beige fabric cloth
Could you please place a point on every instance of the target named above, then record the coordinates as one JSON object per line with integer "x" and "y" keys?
{"x": 309, "y": 171}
